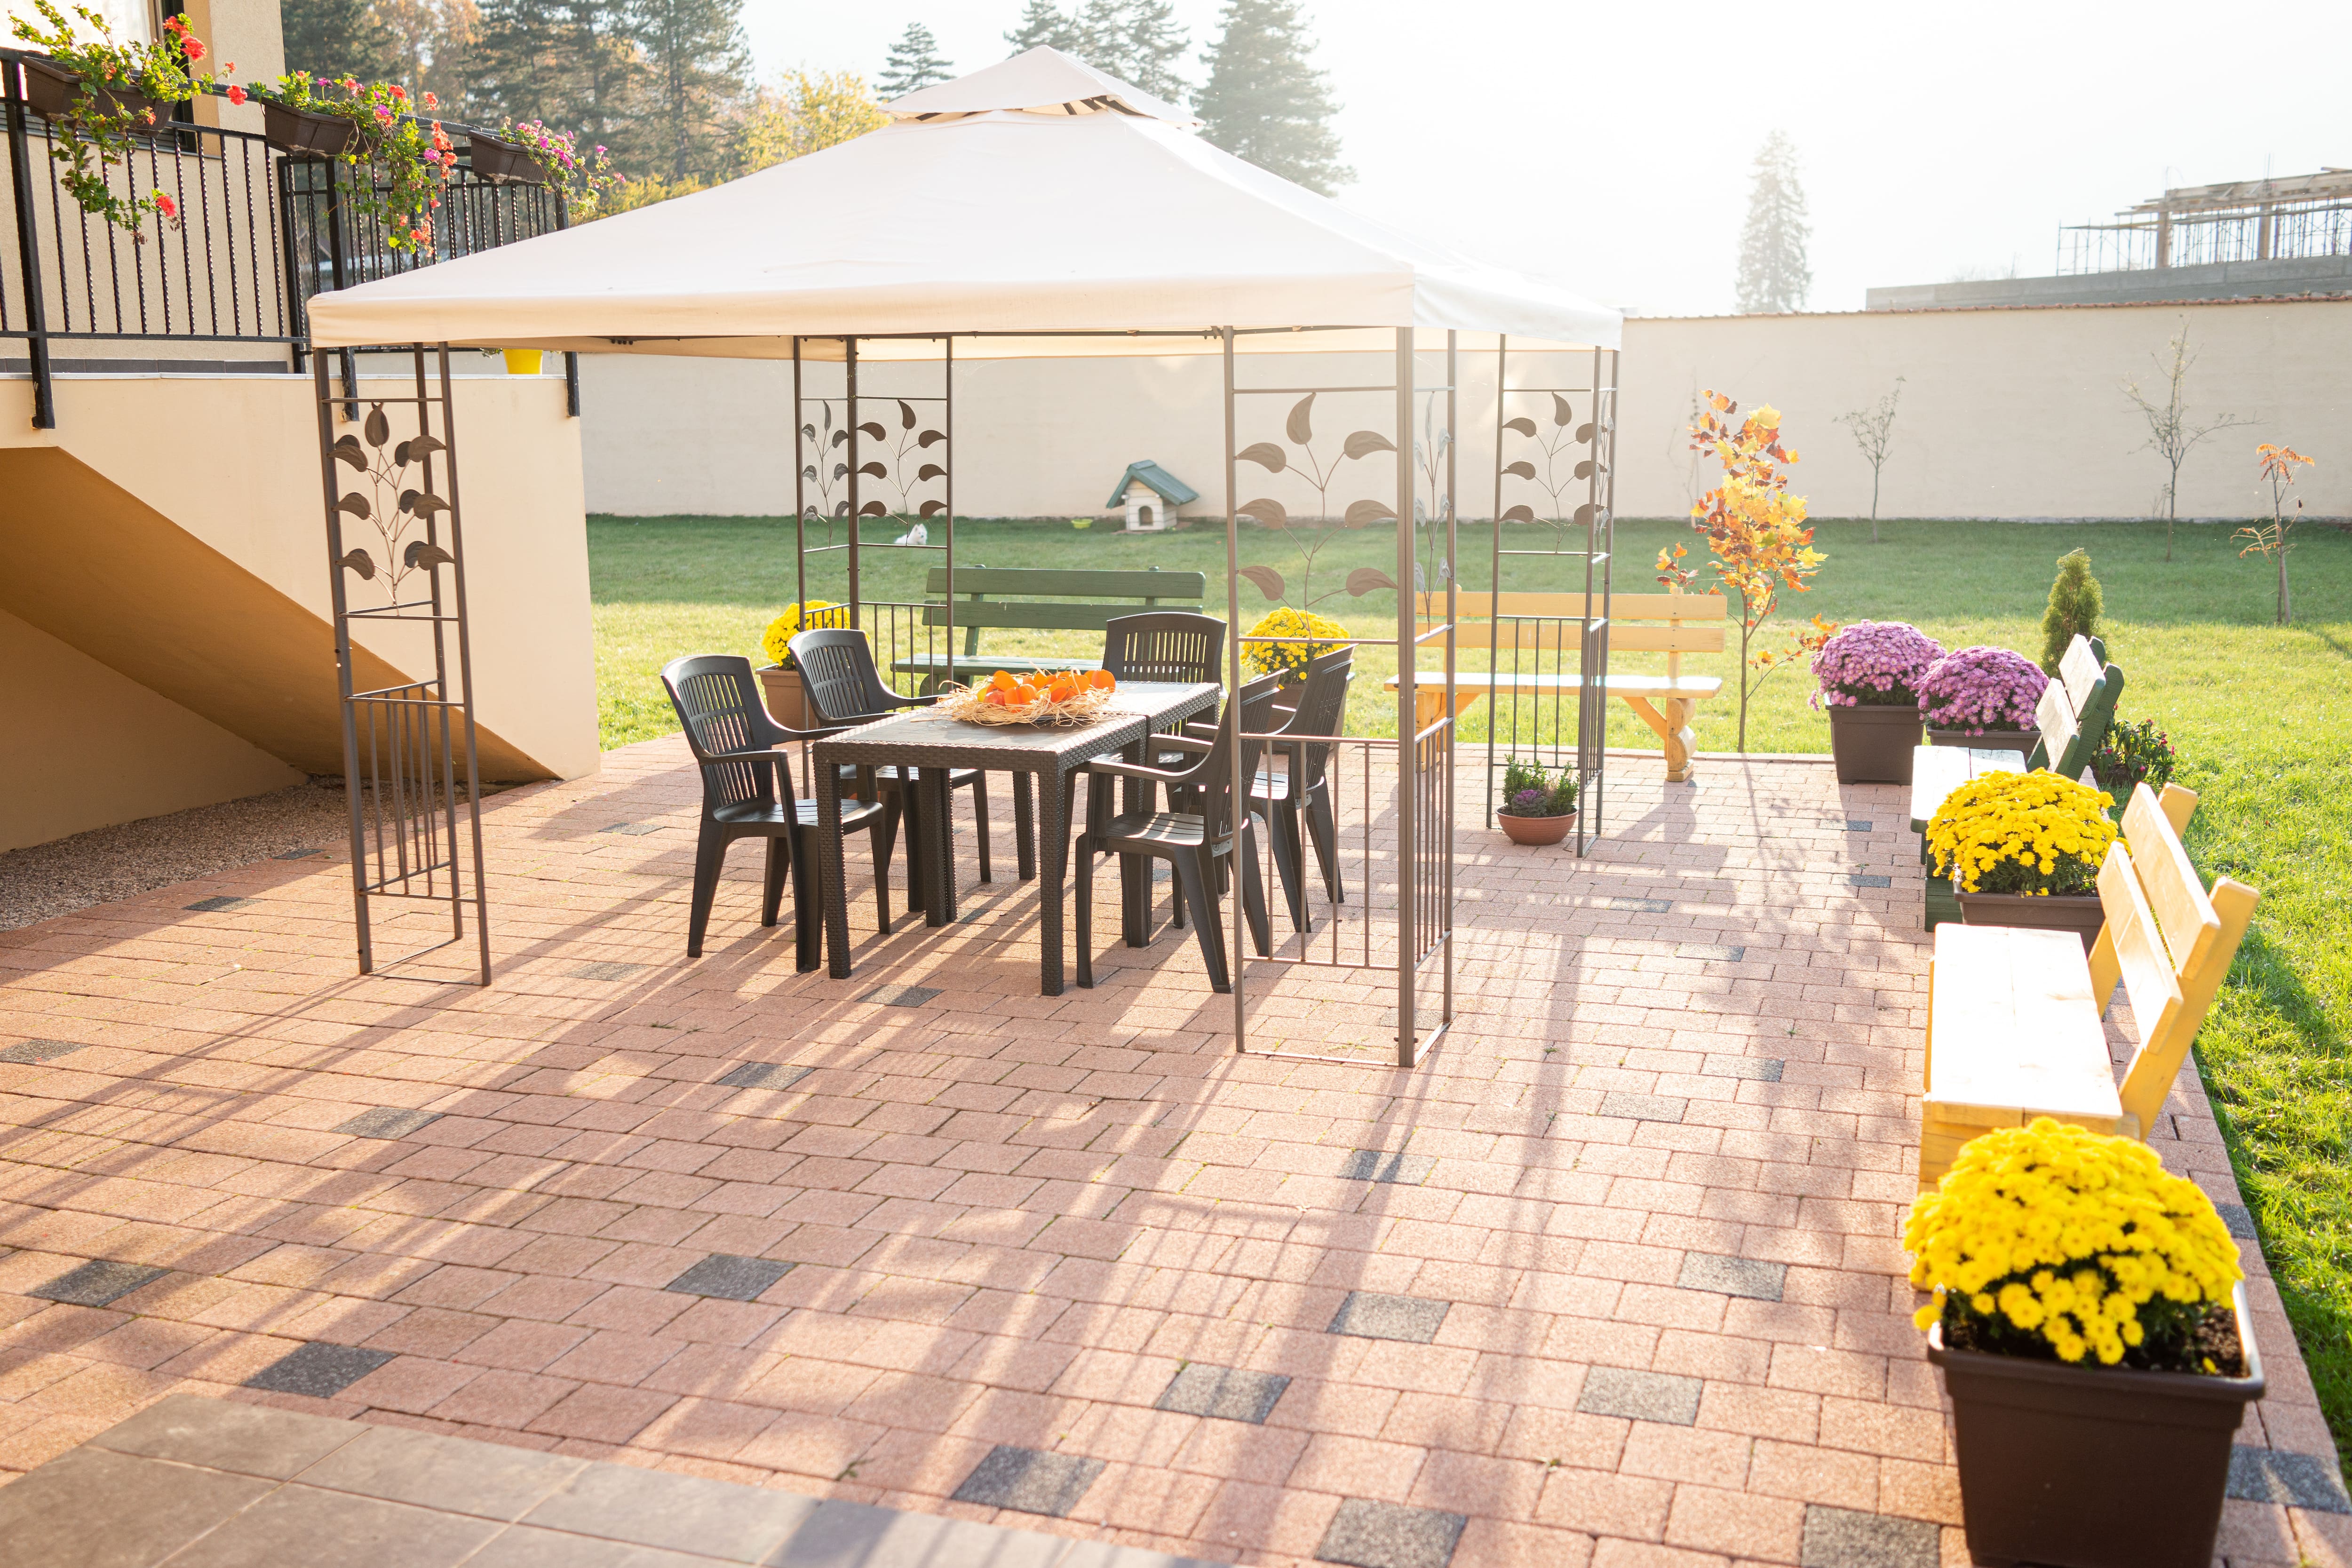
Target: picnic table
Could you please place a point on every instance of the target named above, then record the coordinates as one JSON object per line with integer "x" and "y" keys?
{"x": 926, "y": 746}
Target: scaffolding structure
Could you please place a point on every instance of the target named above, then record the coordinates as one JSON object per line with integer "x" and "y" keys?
{"x": 2300, "y": 217}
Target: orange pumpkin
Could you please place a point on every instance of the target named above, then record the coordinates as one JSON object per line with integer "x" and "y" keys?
{"x": 1022, "y": 696}
{"x": 1103, "y": 680}
{"x": 994, "y": 699}
{"x": 1002, "y": 681}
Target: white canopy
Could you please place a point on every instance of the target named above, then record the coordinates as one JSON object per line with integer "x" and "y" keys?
{"x": 1037, "y": 196}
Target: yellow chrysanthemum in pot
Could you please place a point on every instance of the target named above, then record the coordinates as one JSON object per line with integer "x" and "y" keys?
{"x": 777, "y": 641}
{"x": 1306, "y": 636}
{"x": 2033, "y": 833}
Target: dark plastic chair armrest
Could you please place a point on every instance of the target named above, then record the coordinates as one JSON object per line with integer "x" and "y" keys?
{"x": 1137, "y": 771}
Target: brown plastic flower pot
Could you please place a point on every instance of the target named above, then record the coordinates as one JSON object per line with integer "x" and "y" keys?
{"x": 2021, "y": 741}
{"x": 1872, "y": 744}
{"x": 299, "y": 130}
{"x": 2080, "y": 913}
{"x": 1537, "y": 830}
{"x": 2093, "y": 1466}
{"x": 51, "y": 91}
{"x": 503, "y": 163}
{"x": 787, "y": 699}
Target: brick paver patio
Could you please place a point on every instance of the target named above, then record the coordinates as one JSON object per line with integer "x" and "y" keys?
{"x": 1612, "y": 1278}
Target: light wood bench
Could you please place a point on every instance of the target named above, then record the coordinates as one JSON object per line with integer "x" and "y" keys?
{"x": 2013, "y": 1014}
{"x": 1542, "y": 629}
{"x": 2074, "y": 716}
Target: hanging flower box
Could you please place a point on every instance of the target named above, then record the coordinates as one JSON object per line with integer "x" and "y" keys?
{"x": 51, "y": 91}
{"x": 291, "y": 130}
{"x": 503, "y": 163}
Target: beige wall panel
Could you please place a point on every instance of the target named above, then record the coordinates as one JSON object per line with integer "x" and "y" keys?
{"x": 86, "y": 747}
{"x": 2005, "y": 413}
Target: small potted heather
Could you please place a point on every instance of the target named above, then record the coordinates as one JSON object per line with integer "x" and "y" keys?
{"x": 780, "y": 681}
{"x": 2089, "y": 1318}
{"x": 1869, "y": 676}
{"x": 2024, "y": 849}
{"x": 1538, "y": 806}
{"x": 1982, "y": 697}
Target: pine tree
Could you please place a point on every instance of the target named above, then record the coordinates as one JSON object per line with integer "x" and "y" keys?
{"x": 699, "y": 71}
{"x": 1773, "y": 276}
{"x": 434, "y": 40}
{"x": 1151, "y": 45}
{"x": 608, "y": 76}
{"x": 2076, "y": 606}
{"x": 1043, "y": 22}
{"x": 914, "y": 64}
{"x": 522, "y": 61}
{"x": 338, "y": 37}
{"x": 1265, "y": 102}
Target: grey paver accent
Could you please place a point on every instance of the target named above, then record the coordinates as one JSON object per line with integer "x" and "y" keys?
{"x": 1369, "y": 1315}
{"x": 633, "y": 829}
{"x": 318, "y": 1369}
{"x": 1640, "y": 1396}
{"x": 2235, "y": 1215}
{"x": 1857, "y": 825}
{"x": 39, "y": 1050}
{"x": 1749, "y": 1277}
{"x": 396, "y": 1465}
{"x": 1713, "y": 951}
{"x": 608, "y": 971}
{"x": 1841, "y": 1538}
{"x": 2298, "y": 1481}
{"x": 1367, "y": 1535}
{"x": 730, "y": 1278}
{"x": 1388, "y": 1165}
{"x": 298, "y": 854}
{"x": 764, "y": 1075}
{"x": 901, "y": 995}
{"x": 96, "y": 1284}
{"x": 841, "y": 1534}
{"x": 1226, "y": 1393}
{"x": 385, "y": 1121}
{"x": 649, "y": 1508}
{"x": 1029, "y": 1480}
{"x": 222, "y": 1435}
{"x": 1865, "y": 879}
{"x": 1759, "y": 1070}
{"x": 1646, "y": 906}
{"x": 219, "y": 902}
{"x": 1643, "y": 1107}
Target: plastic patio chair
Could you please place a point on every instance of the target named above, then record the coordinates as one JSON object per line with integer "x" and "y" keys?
{"x": 1194, "y": 842}
{"x": 1302, "y": 787}
{"x": 1166, "y": 644}
{"x": 838, "y": 673}
{"x": 747, "y": 793}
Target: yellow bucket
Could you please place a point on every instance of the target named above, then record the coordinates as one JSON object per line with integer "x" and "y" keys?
{"x": 522, "y": 362}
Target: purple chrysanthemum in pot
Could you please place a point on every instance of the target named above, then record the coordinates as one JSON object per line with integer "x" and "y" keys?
{"x": 1975, "y": 689}
{"x": 1874, "y": 664}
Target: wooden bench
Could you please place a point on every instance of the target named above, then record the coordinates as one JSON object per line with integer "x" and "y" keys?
{"x": 2013, "y": 1014}
{"x": 1543, "y": 625}
{"x": 2074, "y": 715}
{"x": 1035, "y": 599}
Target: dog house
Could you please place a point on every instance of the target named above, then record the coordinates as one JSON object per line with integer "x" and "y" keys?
{"x": 1150, "y": 495}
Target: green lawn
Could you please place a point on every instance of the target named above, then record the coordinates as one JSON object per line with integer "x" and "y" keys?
{"x": 2260, "y": 714}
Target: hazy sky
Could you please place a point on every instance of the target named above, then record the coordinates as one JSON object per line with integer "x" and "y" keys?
{"x": 1609, "y": 146}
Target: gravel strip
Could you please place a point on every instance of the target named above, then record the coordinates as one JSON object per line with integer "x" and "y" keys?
{"x": 42, "y": 882}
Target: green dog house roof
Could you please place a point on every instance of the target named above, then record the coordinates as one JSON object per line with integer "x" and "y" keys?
{"x": 1151, "y": 475}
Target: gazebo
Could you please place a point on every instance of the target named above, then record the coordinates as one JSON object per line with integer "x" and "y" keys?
{"x": 960, "y": 231}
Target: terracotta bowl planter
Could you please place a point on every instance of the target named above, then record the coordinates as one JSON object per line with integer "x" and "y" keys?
{"x": 1872, "y": 744}
{"x": 2078, "y": 912}
{"x": 503, "y": 163}
{"x": 1536, "y": 829}
{"x": 300, "y": 131}
{"x": 2021, "y": 741}
{"x": 788, "y": 703}
{"x": 2093, "y": 1466}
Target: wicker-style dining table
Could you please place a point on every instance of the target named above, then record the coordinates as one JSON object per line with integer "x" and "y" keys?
{"x": 925, "y": 745}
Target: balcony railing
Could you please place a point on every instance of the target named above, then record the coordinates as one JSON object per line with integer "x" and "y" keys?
{"x": 261, "y": 232}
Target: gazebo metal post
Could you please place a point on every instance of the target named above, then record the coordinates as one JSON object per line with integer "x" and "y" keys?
{"x": 414, "y": 727}
{"x": 1452, "y": 621}
{"x": 1408, "y": 646}
{"x": 849, "y": 356}
{"x": 1239, "y": 967}
{"x": 799, "y": 489}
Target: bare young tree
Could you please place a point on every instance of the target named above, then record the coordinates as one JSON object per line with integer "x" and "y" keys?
{"x": 1874, "y": 432}
{"x": 2171, "y": 434}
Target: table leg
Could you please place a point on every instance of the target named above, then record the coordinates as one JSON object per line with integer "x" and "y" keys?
{"x": 941, "y": 909}
{"x": 911, "y": 824}
{"x": 832, "y": 880}
{"x": 1675, "y": 737}
{"x": 1135, "y": 870}
{"x": 1054, "y": 791}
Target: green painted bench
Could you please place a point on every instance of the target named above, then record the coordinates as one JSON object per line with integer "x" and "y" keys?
{"x": 2074, "y": 715}
{"x": 1025, "y": 598}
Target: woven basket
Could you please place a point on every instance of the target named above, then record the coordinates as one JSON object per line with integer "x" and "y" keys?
{"x": 971, "y": 707}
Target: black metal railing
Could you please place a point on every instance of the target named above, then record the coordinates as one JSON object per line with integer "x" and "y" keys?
{"x": 260, "y": 233}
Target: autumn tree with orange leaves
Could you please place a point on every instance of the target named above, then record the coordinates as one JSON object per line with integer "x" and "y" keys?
{"x": 2277, "y": 466}
{"x": 1756, "y": 534}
